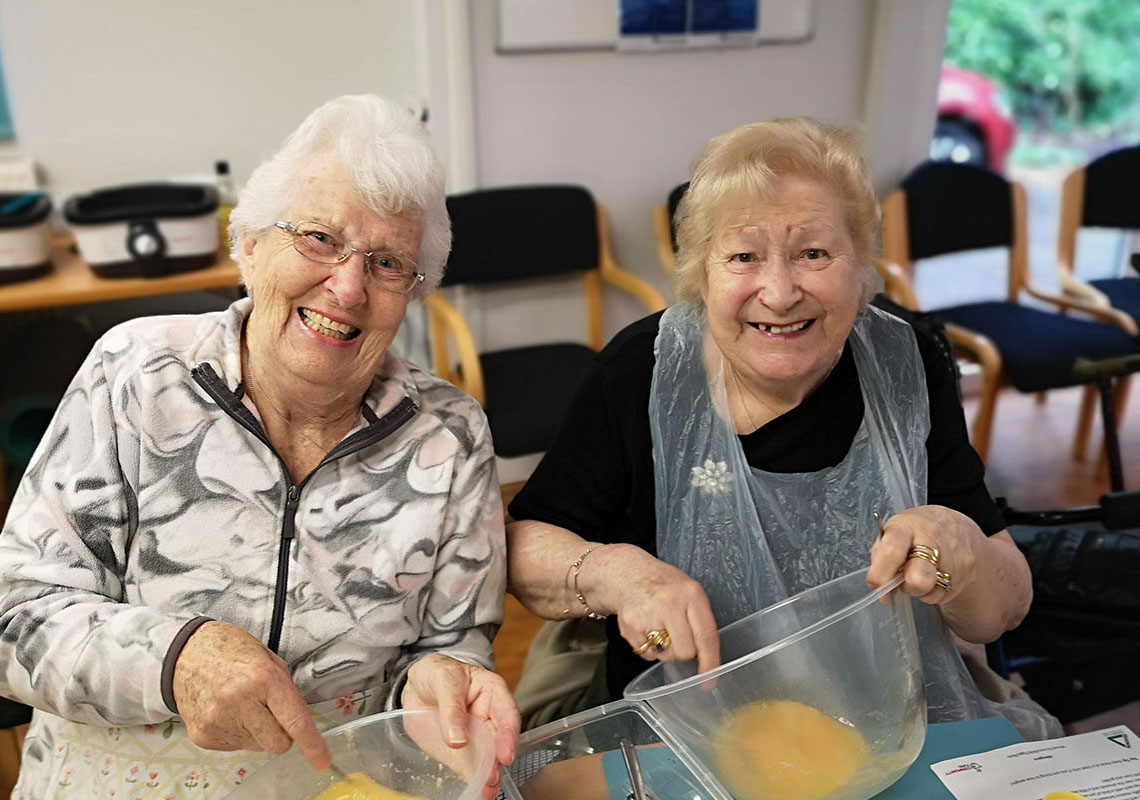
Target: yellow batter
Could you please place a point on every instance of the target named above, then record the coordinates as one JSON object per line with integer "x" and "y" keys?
{"x": 784, "y": 750}
{"x": 358, "y": 786}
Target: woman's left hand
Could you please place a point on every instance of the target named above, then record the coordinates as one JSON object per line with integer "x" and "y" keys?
{"x": 954, "y": 536}
{"x": 457, "y": 689}
{"x": 982, "y": 583}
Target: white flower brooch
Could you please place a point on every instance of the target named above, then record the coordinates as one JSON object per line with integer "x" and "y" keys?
{"x": 712, "y": 478}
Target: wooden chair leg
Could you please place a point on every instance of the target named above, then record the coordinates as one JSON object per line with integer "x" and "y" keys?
{"x": 984, "y": 416}
{"x": 1089, "y": 399}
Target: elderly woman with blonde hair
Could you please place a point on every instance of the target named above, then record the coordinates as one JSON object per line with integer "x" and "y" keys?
{"x": 247, "y": 526}
{"x": 738, "y": 447}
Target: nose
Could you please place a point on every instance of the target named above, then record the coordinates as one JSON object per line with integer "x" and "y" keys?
{"x": 779, "y": 288}
{"x": 347, "y": 281}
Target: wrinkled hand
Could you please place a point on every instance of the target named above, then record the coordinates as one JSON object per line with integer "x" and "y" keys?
{"x": 234, "y": 694}
{"x": 957, "y": 537}
{"x": 457, "y": 689}
{"x": 647, "y": 594}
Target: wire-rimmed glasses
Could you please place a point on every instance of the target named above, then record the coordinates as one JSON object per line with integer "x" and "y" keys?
{"x": 324, "y": 245}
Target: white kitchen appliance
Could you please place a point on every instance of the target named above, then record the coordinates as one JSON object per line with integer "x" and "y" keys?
{"x": 145, "y": 229}
{"x": 25, "y": 235}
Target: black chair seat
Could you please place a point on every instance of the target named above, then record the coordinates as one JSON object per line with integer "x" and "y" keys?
{"x": 1037, "y": 347}
{"x": 528, "y": 392}
{"x": 1123, "y": 293}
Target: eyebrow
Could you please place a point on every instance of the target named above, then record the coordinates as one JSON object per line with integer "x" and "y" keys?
{"x": 752, "y": 232}
{"x": 381, "y": 248}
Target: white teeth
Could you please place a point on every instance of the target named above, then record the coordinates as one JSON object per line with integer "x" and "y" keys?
{"x": 795, "y": 326}
{"x": 322, "y": 324}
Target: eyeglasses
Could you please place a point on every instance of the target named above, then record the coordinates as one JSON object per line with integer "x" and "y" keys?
{"x": 327, "y": 246}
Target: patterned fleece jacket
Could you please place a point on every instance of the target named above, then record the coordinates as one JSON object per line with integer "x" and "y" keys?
{"x": 155, "y": 499}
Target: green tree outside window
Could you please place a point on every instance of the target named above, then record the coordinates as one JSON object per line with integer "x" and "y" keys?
{"x": 1069, "y": 67}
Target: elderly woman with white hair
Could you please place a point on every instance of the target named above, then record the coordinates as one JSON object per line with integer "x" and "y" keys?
{"x": 738, "y": 448}
{"x": 245, "y": 527}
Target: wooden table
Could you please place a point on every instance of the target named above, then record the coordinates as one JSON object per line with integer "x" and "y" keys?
{"x": 72, "y": 282}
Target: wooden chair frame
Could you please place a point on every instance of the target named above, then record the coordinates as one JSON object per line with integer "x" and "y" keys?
{"x": 1072, "y": 212}
{"x": 896, "y": 253}
{"x": 1072, "y": 206}
{"x": 446, "y": 321}
{"x": 11, "y": 747}
{"x": 663, "y": 237}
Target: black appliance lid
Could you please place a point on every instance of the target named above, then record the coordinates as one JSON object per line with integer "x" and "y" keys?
{"x": 27, "y": 208}
{"x": 142, "y": 200}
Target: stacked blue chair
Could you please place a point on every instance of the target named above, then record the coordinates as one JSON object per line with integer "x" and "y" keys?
{"x": 1102, "y": 194}
{"x": 944, "y": 208}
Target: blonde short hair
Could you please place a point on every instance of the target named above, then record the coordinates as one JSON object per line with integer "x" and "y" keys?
{"x": 748, "y": 161}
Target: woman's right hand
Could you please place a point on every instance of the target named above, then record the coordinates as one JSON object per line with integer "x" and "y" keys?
{"x": 647, "y": 594}
{"x": 234, "y": 694}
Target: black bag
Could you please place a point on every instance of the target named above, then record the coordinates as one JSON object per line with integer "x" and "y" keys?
{"x": 13, "y": 713}
{"x": 1078, "y": 648}
{"x": 928, "y": 324}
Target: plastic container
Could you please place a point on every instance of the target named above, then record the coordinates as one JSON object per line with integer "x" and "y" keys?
{"x": 580, "y": 756}
{"x": 819, "y": 696}
{"x": 401, "y": 750}
{"x": 25, "y": 235}
{"x": 145, "y": 229}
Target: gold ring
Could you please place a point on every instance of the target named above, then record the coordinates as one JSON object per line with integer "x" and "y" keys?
{"x": 942, "y": 579}
{"x": 925, "y": 552}
{"x": 657, "y": 639}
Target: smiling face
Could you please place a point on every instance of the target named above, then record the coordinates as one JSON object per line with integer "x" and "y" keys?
{"x": 784, "y": 284}
{"x": 322, "y": 325}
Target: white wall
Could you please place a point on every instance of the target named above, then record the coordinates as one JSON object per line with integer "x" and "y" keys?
{"x": 902, "y": 86}
{"x": 124, "y": 90}
{"x": 118, "y": 91}
{"x": 627, "y": 125}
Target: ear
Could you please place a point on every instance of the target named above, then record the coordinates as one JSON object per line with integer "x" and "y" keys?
{"x": 248, "y": 246}
{"x": 246, "y": 251}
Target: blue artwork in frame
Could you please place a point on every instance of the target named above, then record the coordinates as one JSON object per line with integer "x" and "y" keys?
{"x": 653, "y": 17}
{"x": 674, "y": 17}
{"x": 724, "y": 16}
{"x": 6, "y": 131}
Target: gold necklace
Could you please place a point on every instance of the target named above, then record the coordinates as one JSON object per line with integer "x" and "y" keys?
{"x": 740, "y": 397}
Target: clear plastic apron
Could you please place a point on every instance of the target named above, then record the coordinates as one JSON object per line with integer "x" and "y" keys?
{"x": 752, "y": 538}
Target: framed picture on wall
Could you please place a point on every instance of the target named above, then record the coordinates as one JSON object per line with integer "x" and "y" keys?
{"x": 657, "y": 24}
{"x": 6, "y": 131}
{"x": 545, "y": 25}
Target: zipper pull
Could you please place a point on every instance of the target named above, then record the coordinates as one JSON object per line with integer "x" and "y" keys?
{"x": 291, "y": 503}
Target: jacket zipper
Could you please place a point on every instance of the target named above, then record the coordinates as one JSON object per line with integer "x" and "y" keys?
{"x": 288, "y": 527}
{"x": 205, "y": 377}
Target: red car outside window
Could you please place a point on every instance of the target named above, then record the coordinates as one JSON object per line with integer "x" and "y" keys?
{"x": 974, "y": 123}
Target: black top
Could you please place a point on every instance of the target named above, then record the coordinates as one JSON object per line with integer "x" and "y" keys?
{"x": 597, "y": 477}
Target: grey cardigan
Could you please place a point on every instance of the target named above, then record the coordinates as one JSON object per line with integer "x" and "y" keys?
{"x": 155, "y": 501}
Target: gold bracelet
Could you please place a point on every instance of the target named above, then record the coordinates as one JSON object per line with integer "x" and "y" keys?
{"x": 576, "y": 567}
